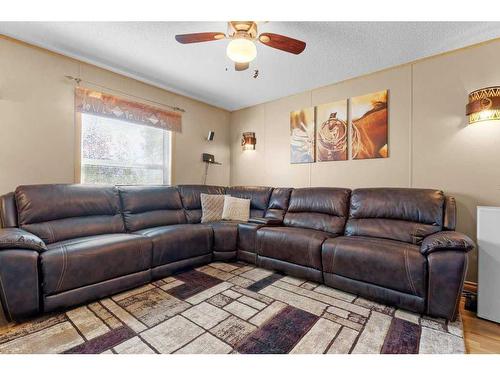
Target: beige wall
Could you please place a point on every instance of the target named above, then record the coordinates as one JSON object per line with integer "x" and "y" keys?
{"x": 430, "y": 144}
{"x": 37, "y": 131}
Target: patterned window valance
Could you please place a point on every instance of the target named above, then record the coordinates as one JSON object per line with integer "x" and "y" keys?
{"x": 105, "y": 105}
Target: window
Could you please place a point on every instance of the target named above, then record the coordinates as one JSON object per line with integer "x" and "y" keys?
{"x": 123, "y": 142}
{"x": 119, "y": 152}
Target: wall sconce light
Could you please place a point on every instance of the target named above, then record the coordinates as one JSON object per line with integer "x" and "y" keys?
{"x": 248, "y": 141}
{"x": 484, "y": 104}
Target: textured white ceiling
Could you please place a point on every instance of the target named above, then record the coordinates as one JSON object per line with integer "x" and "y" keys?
{"x": 335, "y": 51}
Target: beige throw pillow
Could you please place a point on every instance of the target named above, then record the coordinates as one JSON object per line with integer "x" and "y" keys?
{"x": 236, "y": 209}
{"x": 212, "y": 206}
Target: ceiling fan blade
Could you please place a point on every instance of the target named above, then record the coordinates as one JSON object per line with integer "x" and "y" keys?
{"x": 282, "y": 42}
{"x": 199, "y": 37}
{"x": 241, "y": 66}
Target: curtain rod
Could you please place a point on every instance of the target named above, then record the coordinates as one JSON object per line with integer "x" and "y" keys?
{"x": 79, "y": 80}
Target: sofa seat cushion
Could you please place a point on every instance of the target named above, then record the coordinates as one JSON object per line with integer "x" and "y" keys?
{"x": 225, "y": 235}
{"x": 88, "y": 260}
{"x": 294, "y": 245}
{"x": 387, "y": 263}
{"x": 177, "y": 242}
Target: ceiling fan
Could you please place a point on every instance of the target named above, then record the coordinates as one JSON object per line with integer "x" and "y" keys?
{"x": 243, "y": 34}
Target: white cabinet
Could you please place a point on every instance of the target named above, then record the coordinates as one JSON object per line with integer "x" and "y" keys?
{"x": 488, "y": 241}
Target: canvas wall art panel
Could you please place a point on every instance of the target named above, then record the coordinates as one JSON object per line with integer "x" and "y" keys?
{"x": 369, "y": 126}
{"x": 302, "y": 139}
{"x": 331, "y": 131}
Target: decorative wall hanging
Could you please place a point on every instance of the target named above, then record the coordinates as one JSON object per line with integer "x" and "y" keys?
{"x": 302, "y": 136}
{"x": 105, "y": 105}
{"x": 248, "y": 141}
{"x": 369, "y": 126}
{"x": 331, "y": 131}
{"x": 484, "y": 105}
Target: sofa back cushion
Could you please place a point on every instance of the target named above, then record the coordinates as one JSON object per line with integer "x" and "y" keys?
{"x": 324, "y": 209}
{"x": 258, "y": 195}
{"x": 190, "y": 196}
{"x": 395, "y": 213}
{"x": 59, "y": 212}
{"x": 8, "y": 211}
{"x": 450, "y": 213}
{"x": 278, "y": 203}
{"x": 151, "y": 206}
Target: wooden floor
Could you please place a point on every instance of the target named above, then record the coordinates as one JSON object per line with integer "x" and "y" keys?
{"x": 481, "y": 336}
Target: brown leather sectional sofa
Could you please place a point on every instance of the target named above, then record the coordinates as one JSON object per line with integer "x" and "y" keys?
{"x": 64, "y": 245}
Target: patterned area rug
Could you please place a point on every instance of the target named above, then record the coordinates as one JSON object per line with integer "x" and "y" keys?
{"x": 233, "y": 308}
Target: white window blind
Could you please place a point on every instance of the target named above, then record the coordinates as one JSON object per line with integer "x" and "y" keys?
{"x": 122, "y": 153}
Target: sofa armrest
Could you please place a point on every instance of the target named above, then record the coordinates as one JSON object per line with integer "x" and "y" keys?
{"x": 446, "y": 240}
{"x": 446, "y": 275}
{"x": 265, "y": 221}
{"x": 15, "y": 238}
{"x": 19, "y": 283}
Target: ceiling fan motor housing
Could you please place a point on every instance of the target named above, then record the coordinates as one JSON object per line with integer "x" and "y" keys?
{"x": 240, "y": 28}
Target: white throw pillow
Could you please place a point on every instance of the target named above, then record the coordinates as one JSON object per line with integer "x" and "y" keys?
{"x": 212, "y": 206}
{"x": 236, "y": 209}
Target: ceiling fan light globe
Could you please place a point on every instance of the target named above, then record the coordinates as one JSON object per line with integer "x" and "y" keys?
{"x": 241, "y": 50}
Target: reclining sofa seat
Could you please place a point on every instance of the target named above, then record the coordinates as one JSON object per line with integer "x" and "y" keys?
{"x": 225, "y": 232}
{"x": 19, "y": 295}
{"x": 224, "y": 235}
{"x": 313, "y": 215}
{"x": 157, "y": 213}
{"x": 89, "y": 253}
{"x": 381, "y": 257}
{"x": 273, "y": 216}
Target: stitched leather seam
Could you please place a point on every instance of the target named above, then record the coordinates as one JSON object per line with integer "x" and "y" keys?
{"x": 141, "y": 255}
{"x": 334, "y": 254}
{"x": 309, "y": 253}
{"x": 429, "y": 272}
{"x": 52, "y": 236}
{"x": 83, "y": 240}
{"x": 144, "y": 255}
{"x": 63, "y": 271}
{"x": 412, "y": 284}
{"x": 408, "y": 274}
{"x": 5, "y": 298}
{"x": 59, "y": 282}
{"x": 461, "y": 284}
{"x": 211, "y": 238}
